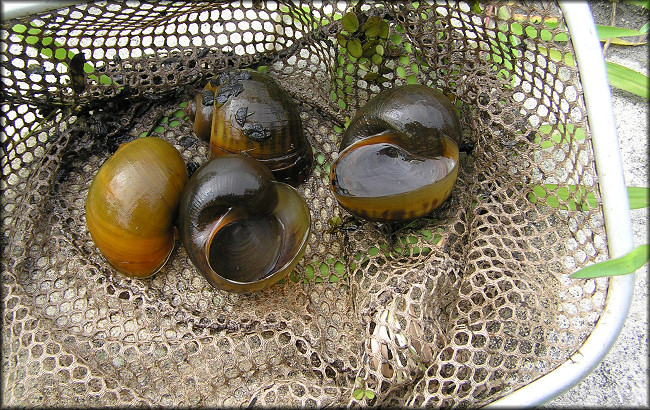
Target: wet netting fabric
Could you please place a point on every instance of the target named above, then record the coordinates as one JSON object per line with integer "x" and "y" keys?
{"x": 460, "y": 307}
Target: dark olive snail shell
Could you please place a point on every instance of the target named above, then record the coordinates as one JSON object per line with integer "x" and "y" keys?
{"x": 243, "y": 111}
{"x": 242, "y": 229}
{"x": 398, "y": 158}
{"x": 132, "y": 203}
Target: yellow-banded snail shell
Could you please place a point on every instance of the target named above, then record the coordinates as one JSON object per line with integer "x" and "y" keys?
{"x": 244, "y": 111}
{"x": 132, "y": 203}
{"x": 398, "y": 157}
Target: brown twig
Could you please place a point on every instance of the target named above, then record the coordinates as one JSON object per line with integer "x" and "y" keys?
{"x": 612, "y": 21}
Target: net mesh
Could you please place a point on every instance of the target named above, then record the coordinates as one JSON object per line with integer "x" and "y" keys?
{"x": 460, "y": 307}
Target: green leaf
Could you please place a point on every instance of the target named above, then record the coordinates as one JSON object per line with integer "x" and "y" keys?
{"x": 370, "y": 76}
{"x": 354, "y": 47}
{"x": 370, "y": 394}
{"x": 476, "y": 7}
{"x": 503, "y": 12}
{"x": 372, "y": 27}
{"x": 342, "y": 40}
{"x": 339, "y": 267}
{"x": 556, "y": 55}
{"x": 607, "y": 32}
{"x": 623, "y": 42}
{"x": 358, "y": 394}
{"x": 324, "y": 269}
{"x": 547, "y": 137}
{"x": 309, "y": 272}
{"x": 383, "y": 29}
{"x": 623, "y": 265}
{"x": 627, "y": 79}
{"x": 396, "y": 39}
{"x": 639, "y": 197}
{"x": 350, "y": 22}
{"x": 369, "y": 48}
{"x": 573, "y": 197}
{"x": 19, "y": 28}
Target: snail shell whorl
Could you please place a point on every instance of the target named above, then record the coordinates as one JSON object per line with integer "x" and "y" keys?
{"x": 398, "y": 158}
{"x": 418, "y": 114}
{"x": 132, "y": 203}
{"x": 242, "y": 230}
{"x": 242, "y": 111}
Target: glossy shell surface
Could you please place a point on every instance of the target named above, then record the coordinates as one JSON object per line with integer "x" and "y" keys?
{"x": 247, "y": 112}
{"x": 398, "y": 158}
{"x": 132, "y": 203}
{"x": 243, "y": 230}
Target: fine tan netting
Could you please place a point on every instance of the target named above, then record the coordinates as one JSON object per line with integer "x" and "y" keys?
{"x": 457, "y": 308}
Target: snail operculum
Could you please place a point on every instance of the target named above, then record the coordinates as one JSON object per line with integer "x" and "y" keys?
{"x": 132, "y": 203}
{"x": 242, "y": 229}
{"x": 242, "y": 111}
{"x": 399, "y": 155}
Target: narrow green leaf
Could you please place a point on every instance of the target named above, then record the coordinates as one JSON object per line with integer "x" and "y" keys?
{"x": 607, "y": 32}
{"x": 639, "y": 197}
{"x": 350, "y": 22}
{"x": 627, "y": 79}
{"x": 623, "y": 42}
{"x": 623, "y": 265}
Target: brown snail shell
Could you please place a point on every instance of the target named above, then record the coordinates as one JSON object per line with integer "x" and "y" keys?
{"x": 132, "y": 203}
{"x": 398, "y": 158}
{"x": 243, "y": 111}
{"x": 242, "y": 230}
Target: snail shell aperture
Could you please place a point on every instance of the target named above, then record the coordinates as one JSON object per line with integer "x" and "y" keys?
{"x": 242, "y": 230}
{"x": 131, "y": 205}
{"x": 247, "y": 112}
{"x": 398, "y": 158}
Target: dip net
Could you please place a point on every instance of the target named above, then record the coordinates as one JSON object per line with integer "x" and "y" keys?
{"x": 458, "y": 308}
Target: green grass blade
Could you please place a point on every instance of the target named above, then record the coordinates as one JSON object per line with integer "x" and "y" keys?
{"x": 607, "y": 32}
{"x": 639, "y": 197}
{"x": 623, "y": 42}
{"x": 627, "y": 263}
{"x": 627, "y": 79}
